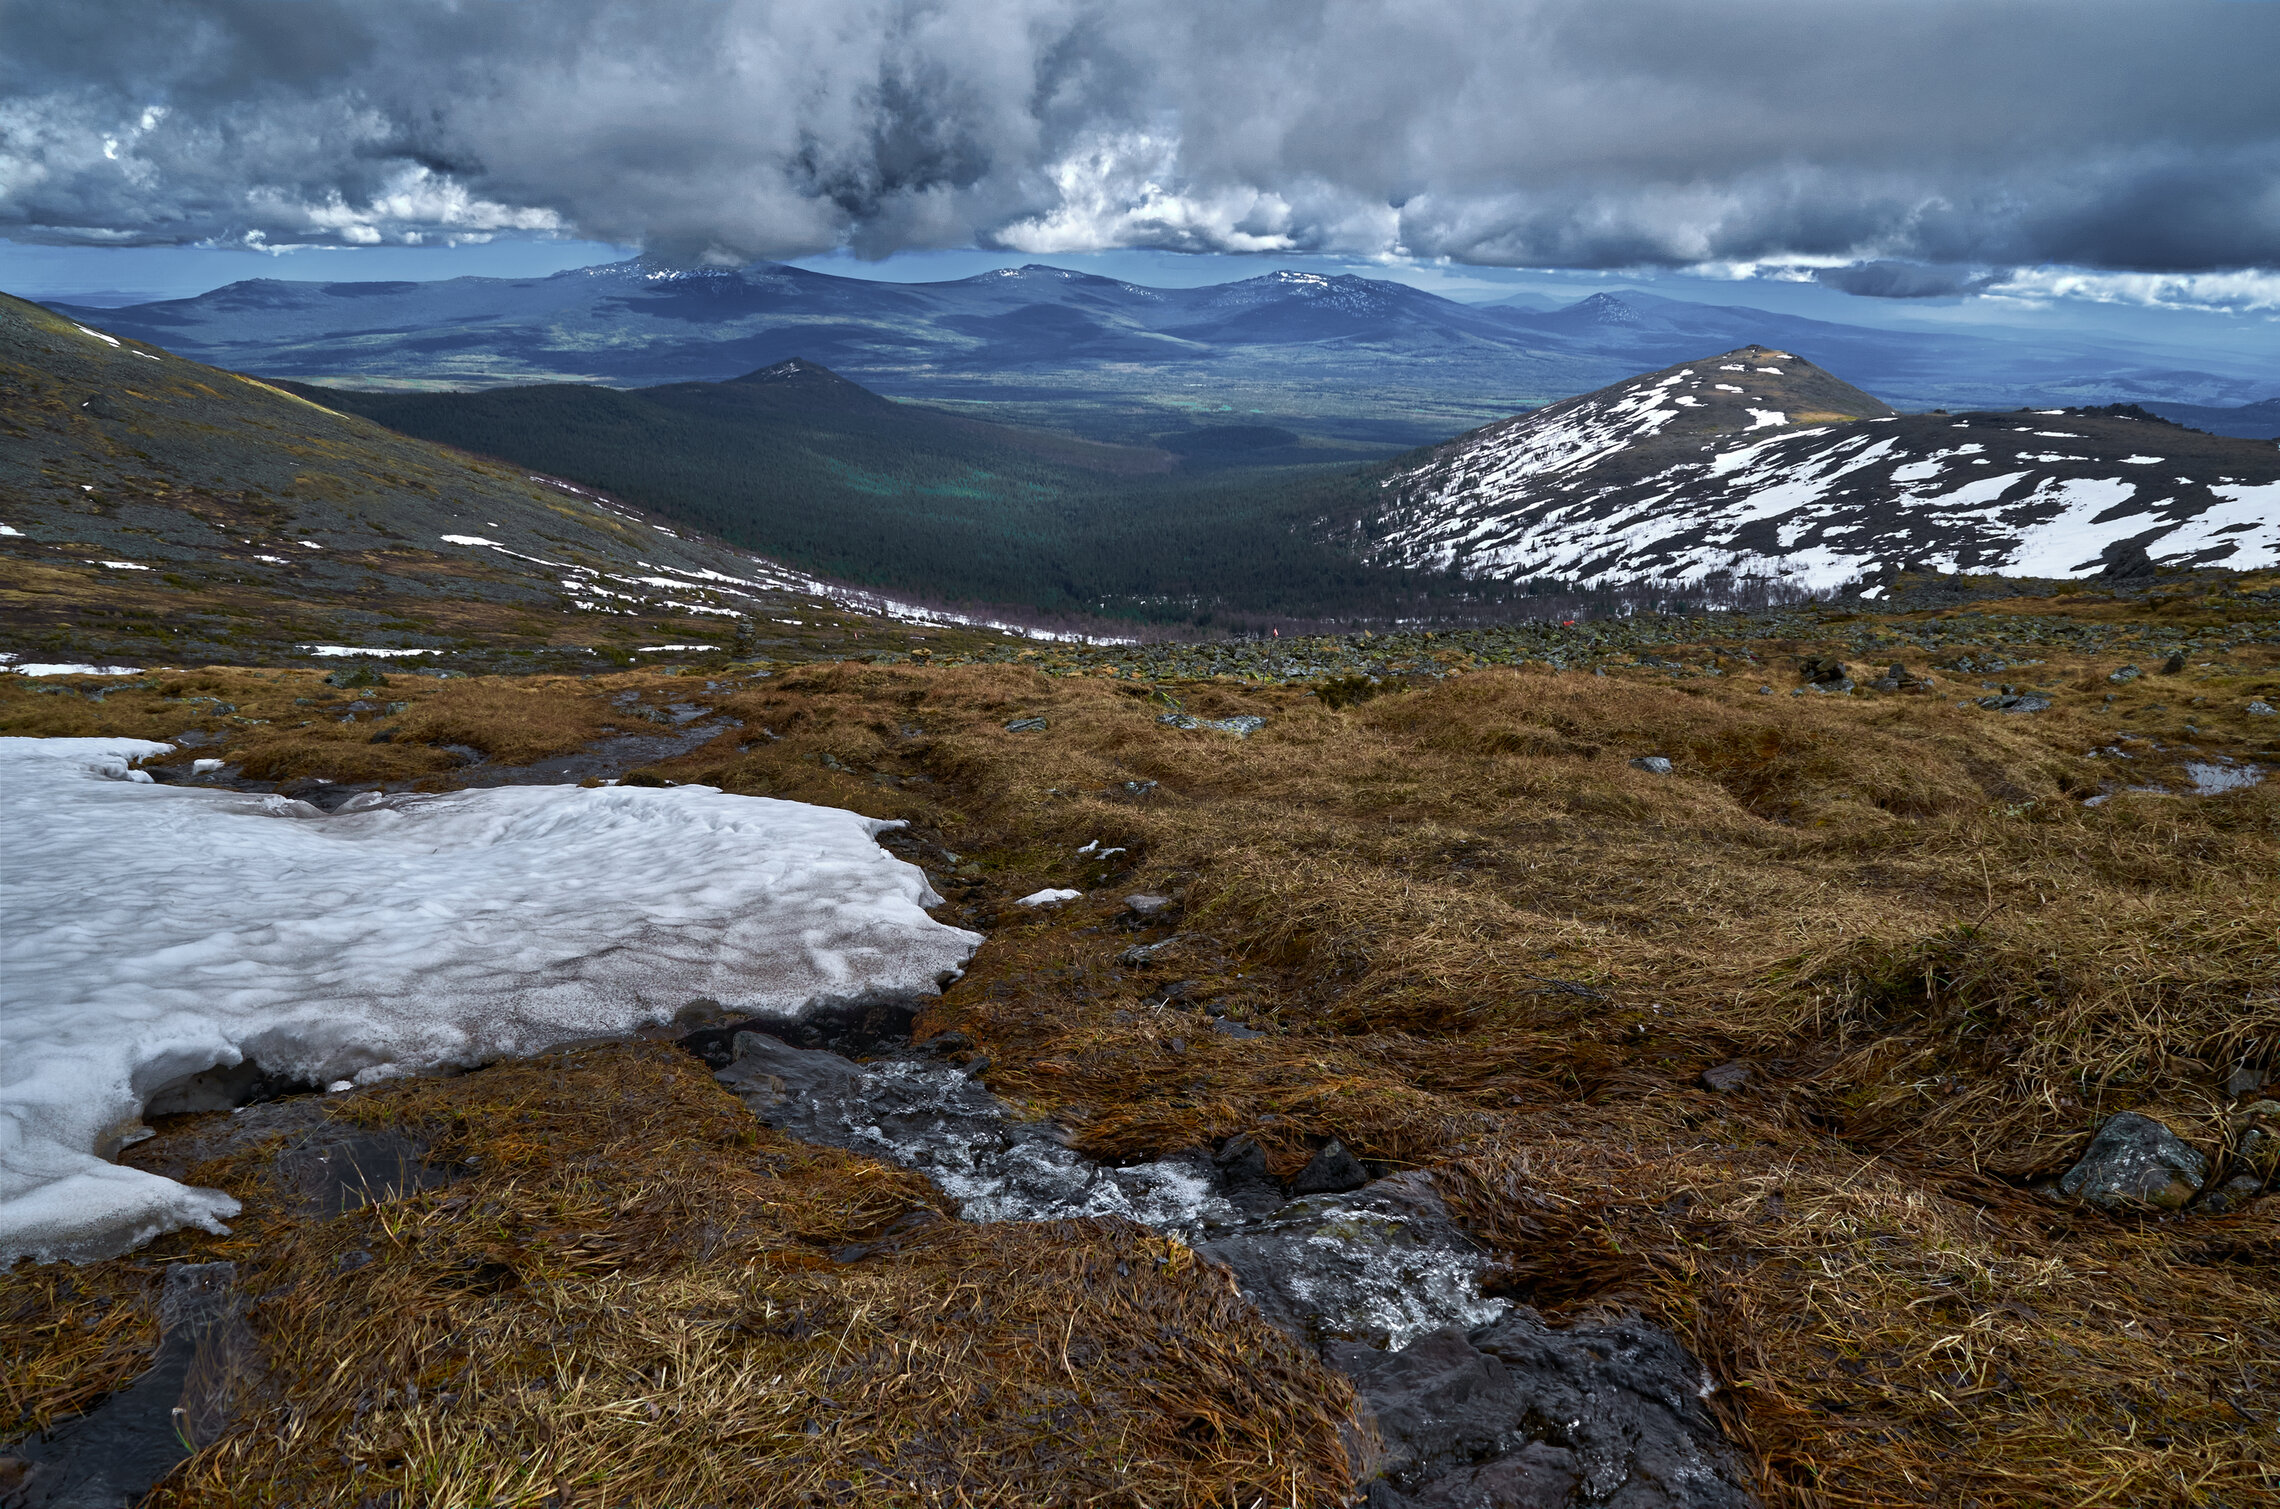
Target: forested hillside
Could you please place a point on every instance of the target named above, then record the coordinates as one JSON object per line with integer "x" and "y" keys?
{"x": 799, "y": 463}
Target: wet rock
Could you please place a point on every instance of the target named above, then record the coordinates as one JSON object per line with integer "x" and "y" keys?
{"x": 1381, "y": 1265}
{"x": 1244, "y": 1183}
{"x": 2136, "y": 1162}
{"x": 1726, "y": 1078}
{"x": 1026, "y": 726}
{"x": 766, "y": 1072}
{"x": 1331, "y": 1171}
{"x": 1657, "y": 764}
{"x": 338, "y": 1169}
{"x": 1520, "y": 1414}
{"x": 111, "y": 1456}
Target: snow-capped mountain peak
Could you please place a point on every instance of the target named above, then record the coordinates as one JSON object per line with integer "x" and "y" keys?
{"x": 1758, "y": 463}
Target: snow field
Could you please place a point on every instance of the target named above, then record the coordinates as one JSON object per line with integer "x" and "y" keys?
{"x": 151, "y": 932}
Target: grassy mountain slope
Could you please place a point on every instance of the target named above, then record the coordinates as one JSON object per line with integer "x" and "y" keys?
{"x": 156, "y": 508}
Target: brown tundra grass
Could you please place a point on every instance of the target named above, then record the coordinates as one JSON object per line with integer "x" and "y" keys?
{"x": 1478, "y": 940}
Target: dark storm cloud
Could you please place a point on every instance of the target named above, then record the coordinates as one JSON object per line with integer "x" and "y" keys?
{"x": 1907, "y": 280}
{"x": 1517, "y": 132}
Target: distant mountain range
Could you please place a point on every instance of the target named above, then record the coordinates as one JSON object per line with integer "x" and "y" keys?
{"x": 1368, "y": 365}
{"x": 1757, "y": 463}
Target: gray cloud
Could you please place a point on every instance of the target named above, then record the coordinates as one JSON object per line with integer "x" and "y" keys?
{"x": 2092, "y": 133}
{"x": 1908, "y": 280}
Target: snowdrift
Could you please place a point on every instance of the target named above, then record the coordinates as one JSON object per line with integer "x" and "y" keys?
{"x": 149, "y": 933}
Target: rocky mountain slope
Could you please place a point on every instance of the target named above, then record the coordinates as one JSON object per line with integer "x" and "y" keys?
{"x": 1757, "y": 463}
{"x": 154, "y": 507}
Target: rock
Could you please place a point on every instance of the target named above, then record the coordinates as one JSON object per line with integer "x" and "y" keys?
{"x": 339, "y": 1168}
{"x": 1826, "y": 672}
{"x": 1658, "y": 764}
{"x": 361, "y": 675}
{"x": 1242, "y": 726}
{"x": 948, "y": 1042}
{"x": 2260, "y": 708}
{"x": 1146, "y": 906}
{"x": 2258, "y": 1151}
{"x": 2125, "y": 675}
{"x": 1765, "y": 691}
{"x": 1520, "y": 1414}
{"x": 770, "y": 1075}
{"x": 1332, "y": 1171}
{"x": 1226, "y": 1028}
{"x": 1141, "y": 955}
{"x": 2126, "y": 561}
{"x": 1139, "y": 788}
{"x": 1725, "y": 1078}
{"x": 2015, "y": 702}
{"x": 1026, "y": 726}
{"x": 1240, "y": 1167}
{"x": 2244, "y": 1081}
{"x": 2135, "y": 1161}
{"x": 2174, "y": 664}
{"x": 2230, "y": 1195}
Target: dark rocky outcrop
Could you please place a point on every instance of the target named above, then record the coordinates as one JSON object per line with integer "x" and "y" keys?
{"x": 1520, "y": 1414}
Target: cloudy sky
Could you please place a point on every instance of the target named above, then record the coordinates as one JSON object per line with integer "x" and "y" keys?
{"x": 1881, "y": 150}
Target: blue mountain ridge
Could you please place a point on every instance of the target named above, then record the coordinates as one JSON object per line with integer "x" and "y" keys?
{"x": 1383, "y": 364}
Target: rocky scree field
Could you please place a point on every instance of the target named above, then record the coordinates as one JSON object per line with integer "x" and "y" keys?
{"x": 1878, "y": 1007}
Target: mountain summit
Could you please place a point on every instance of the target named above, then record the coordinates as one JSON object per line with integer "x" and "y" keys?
{"x": 1758, "y": 463}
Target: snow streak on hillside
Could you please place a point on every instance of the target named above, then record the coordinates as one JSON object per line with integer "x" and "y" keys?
{"x": 1724, "y": 466}
{"x": 154, "y": 932}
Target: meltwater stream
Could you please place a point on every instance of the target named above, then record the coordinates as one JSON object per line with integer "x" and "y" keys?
{"x": 1476, "y": 1401}
{"x": 1382, "y": 1264}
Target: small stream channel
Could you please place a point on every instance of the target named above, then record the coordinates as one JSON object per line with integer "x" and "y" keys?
{"x": 1479, "y": 1403}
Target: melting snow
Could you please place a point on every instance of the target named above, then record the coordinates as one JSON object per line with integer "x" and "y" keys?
{"x": 359, "y": 649}
{"x": 151, "y": 932}
{"x": 1766, "y": 418}
{"x": 99, "y": 335}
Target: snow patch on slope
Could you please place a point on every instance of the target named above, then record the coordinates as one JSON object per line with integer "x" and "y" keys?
{"x": 150, "y": 932}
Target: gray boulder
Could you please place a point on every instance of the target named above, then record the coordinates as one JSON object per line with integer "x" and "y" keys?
{"x": 2133, "y": 1163}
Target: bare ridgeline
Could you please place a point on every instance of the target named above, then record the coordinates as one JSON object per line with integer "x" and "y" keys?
{"x": 1816, "y": 1056}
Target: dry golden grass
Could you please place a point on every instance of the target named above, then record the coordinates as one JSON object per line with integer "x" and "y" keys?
{"x": 1479, "y": 940}
{"x": 640, "y": 1296}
